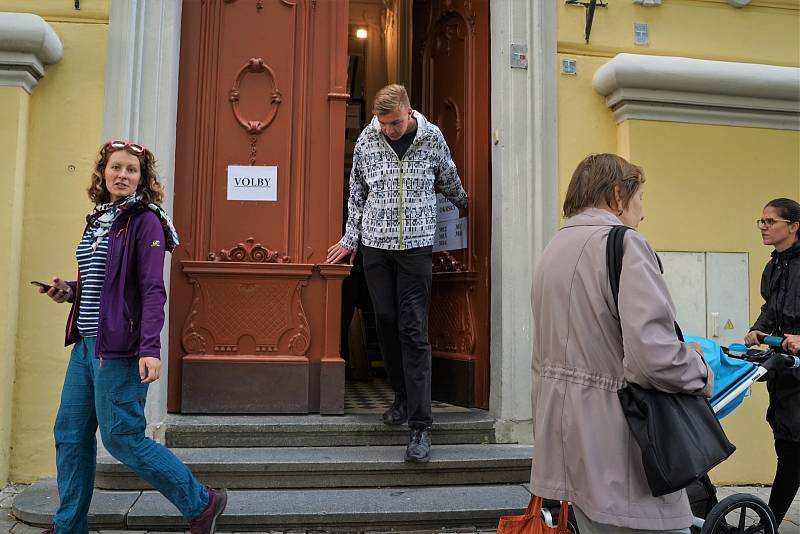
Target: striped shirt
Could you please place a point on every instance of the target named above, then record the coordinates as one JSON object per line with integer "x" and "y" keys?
{"x": 92, "y": 266}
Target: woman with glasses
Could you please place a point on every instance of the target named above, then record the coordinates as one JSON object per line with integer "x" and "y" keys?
{"x": 115, "y": 325}
{"x": 780, "y": 316}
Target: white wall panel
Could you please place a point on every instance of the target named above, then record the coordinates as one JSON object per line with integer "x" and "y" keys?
{"x": 727, "y": 296}
{"x": 685, "y": 273}
{"x": 711, "y": 293}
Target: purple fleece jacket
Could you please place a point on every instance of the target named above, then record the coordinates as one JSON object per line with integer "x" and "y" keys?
{"x": 133, "y": 295}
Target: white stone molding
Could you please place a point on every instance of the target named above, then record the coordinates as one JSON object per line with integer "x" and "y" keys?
{"x": 679, "y": 89}
{"x": 27, "y": 44}
{"x": 141, "y": 104}
{"x": 524, "y": 198}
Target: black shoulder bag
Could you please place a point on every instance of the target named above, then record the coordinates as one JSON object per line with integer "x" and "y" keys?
{"x": 679, "y": 434}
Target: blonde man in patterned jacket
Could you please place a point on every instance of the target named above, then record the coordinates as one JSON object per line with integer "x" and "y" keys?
{"x": 400, "y": 162}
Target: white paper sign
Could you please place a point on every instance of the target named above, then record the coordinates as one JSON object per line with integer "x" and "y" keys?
{"x": 250, "y": 182}
{"x": 445, "y": 210}
{"x": 451, "y": 235}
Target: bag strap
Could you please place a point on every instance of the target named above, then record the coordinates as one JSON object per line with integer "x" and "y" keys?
{"x": 614, "y": 253}
{"x": 535, "y": 508}
{"x": 563, "y": 516}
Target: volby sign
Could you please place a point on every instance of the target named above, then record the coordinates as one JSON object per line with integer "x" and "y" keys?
{"x": 250, "y": 182}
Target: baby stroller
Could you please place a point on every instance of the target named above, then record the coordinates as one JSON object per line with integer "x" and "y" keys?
{"x": 735, "y": 369}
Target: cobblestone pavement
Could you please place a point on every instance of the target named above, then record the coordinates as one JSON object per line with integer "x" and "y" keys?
{"x": 8, "y": 524}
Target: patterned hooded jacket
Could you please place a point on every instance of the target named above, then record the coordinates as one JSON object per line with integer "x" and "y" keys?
{"x": 392, "y": 201}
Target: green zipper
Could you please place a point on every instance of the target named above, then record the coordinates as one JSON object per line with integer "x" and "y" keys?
{"x": 400, "y": 162}
{"x": 401, "y": 203}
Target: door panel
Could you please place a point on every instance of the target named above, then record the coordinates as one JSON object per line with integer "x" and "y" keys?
{"x": 254, "y": 314}
{"x": 451, "y": 87}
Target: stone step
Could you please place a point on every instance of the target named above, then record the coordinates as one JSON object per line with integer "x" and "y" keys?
{"x": 329, "y": 467}
{"x": 469, "y": 426}
{"x": 342, "y": 510}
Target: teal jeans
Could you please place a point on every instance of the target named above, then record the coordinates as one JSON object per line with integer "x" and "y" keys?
{"x": 112, "y": 398}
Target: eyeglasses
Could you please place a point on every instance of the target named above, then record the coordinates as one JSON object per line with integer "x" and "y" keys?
{"x": 767, "y": 223}
{"x": 133, "y": 147}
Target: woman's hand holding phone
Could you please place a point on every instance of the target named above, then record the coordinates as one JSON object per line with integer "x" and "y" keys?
{"x": 59, "y": 291}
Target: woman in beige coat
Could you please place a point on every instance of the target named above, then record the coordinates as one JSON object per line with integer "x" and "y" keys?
{"x": 584, "y": 352}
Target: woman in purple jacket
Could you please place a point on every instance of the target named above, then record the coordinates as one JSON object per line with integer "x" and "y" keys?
{"x": 115, "y": 325}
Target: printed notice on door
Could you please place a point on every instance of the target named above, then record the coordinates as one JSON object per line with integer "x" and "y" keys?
{"x": 250, "y": 182}
{"x": 451, "y": 231}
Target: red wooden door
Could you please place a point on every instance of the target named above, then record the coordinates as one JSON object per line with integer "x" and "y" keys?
{"x": 451, "y": 87}
{"x": 254, "y": 316}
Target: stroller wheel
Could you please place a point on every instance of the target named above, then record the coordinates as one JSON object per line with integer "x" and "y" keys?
{"x": 739, "y": 514}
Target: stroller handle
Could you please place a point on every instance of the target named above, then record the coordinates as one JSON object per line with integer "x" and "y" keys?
{"x": 770, "y": 358}
{"x": 773, "y": 341}
{"x": 779, "y": 360}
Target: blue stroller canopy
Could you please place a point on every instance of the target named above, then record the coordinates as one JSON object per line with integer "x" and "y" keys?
{"x": 728, "y": 373}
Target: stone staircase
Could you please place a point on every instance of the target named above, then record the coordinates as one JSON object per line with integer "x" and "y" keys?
{"x": 336, "y": 474}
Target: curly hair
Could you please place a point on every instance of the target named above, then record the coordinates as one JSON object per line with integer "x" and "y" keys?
{"x": 150, "y": 188}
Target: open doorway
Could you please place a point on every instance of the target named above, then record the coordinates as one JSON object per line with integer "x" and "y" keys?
{"x": 373, "y": 62}
{"x": 438, "y": 49}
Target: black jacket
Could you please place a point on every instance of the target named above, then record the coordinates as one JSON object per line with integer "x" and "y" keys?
{"x": 780, "y": 315}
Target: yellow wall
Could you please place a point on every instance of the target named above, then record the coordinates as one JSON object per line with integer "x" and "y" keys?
{"x": 63, "y": 134}
{"x": 706, "y": 184}
{"x": 705, "y": 187}
{"x": 763, "y": 32}
{"x": 14, "y": 107}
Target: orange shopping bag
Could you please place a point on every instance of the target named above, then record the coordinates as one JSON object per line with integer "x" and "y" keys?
{"x": 531, "y": 521}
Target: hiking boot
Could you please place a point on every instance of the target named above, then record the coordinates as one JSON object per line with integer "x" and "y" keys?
{"x": 419, "y": 445}
{"x": 397, "y": 414}
{"x": 206, "y": 522}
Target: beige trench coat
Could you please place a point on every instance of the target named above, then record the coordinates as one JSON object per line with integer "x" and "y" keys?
{"x": 583, "y": 451}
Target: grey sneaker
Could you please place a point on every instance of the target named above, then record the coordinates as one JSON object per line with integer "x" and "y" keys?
{"x": 206, "y": 522}
{"x": 397, "y": 414}
{"x": 419, "y": 445}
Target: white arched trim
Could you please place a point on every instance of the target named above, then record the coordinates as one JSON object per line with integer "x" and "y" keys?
{"x": 680, "y": 89}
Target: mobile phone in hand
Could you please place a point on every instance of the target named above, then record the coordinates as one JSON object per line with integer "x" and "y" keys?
{"x": 44, "y": 286}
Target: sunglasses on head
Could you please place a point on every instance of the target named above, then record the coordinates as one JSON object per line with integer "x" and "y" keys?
{"x": 127, "y": 145}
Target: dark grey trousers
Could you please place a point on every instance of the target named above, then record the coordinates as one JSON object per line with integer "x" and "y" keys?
{"x": 399, "y": 283}
{"x": 587, "y": 526}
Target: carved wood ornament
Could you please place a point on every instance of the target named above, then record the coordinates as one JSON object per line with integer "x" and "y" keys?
{"x": 452, "y": 321}
{"x": 259, "y": 4}
{"x": 444, "y": 262}
{"x": 449, "y": 120}
{"x": 249, "y": 251}
{"x": 255, "y": 65}
{"x": 227, "y": 312}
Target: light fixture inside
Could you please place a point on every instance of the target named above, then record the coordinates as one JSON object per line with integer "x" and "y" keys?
{"x": 361, "y": 33}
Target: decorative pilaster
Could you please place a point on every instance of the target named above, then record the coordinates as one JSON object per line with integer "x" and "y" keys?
{"x": 524, "y": 197}
{"x": 141, "y": 103}
{"x": 27, "y": 44}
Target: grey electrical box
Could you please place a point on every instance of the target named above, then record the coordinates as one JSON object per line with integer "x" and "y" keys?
{"x": 519, "y": 56}
{"x": 711, "y": 293}
{"x": 641, "y": 33}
